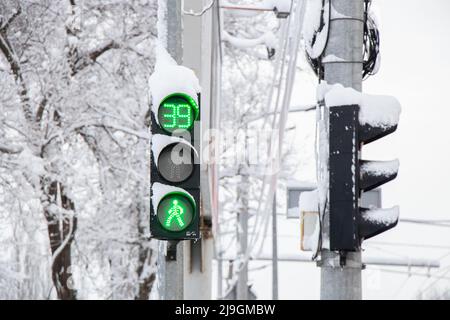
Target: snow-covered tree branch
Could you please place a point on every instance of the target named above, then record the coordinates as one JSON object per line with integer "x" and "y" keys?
{"x": 74, "y": 147}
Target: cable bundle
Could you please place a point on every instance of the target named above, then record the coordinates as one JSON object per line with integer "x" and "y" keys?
{"x": 371, "y": 42}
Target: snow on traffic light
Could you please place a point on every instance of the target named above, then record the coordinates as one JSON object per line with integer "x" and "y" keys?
{"x": 355, "y": 119}
{"x": 175, "y": 163}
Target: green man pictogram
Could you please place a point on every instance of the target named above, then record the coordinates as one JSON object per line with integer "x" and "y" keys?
{"x": 175, "y": 212}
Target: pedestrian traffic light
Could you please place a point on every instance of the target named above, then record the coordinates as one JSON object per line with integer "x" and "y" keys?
{"x": 175, "y": 168}
{"x": 175, "y": 212}
{"x": 177, "y": 112}
{"x": 350, "y": 127}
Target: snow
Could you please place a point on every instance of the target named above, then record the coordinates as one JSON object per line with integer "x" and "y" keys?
{"x": 309, "y": 201}
{"x": 338, "y": 95}
{"x": 375, "y": 110}
{"x": 32, "y": 165}
{"x": 160, "y": 141}
{"x": 322, "y": 88}
{"x": 378, "y": 110}
{"x": 337, "y": 15}
{"x": 296, "y": 184}
{"x": 268, "y": 39}
{"x": 323, "y": 168}
{"x": 94, "y": 155}
{"x": 401, "y": 261}
{"x": 379, "y": 168}
{"x": 10, "y": 149}
{"x": 238, "y": 13}
{"x": 331, "y": 58}
{"x": 281, "y": 5}
{"x": 170, "y": 78}
{"x": 311, "y": 230}
{"x": 382, "y": 216}
{"x": 323, "y": 171}
{"x": 311, "y": 28}
{"x": 159, "y": 190}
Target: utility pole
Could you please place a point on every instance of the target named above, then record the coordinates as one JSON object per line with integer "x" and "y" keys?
{"x": 345, "y": 41}
{"x": 171, "y": 264}
{"x": 198, "y": 53}
{"x": 242, "y": 282}
{"x": 274, "y": 249}
{"x": 174, "y": 30}
{"x": 242, "y": 234}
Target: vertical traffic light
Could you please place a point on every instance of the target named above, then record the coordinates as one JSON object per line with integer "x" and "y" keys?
{"x": 175, "y": 168}
{"x": 350, "y": 127}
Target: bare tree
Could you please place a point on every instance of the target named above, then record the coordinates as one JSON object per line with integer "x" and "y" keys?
{"x": 74, "y": 104}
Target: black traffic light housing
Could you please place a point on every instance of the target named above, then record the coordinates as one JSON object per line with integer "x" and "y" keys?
{"x": 349, "y": 176}
{"x": 172, "y": 180}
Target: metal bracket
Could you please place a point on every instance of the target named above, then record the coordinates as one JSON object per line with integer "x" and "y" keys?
{"x": 171, "y": 254}
{"x": 206, "y": 227}
{"x": 340, "y": 261}
{"x": 196, "y": 246}
{"x": 342, "y": 258}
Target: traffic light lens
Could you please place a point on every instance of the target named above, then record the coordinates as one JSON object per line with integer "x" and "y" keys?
{"x": 177, "y": 112}
{"x": 175, "y": 212}
{"x": 175, "y": 163}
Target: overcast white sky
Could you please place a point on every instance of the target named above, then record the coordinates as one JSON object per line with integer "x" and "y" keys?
{"x": 415, "y": 44}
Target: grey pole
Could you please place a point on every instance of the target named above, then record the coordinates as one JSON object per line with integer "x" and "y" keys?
{"x": 242, "y": 233}
{"x": 174, "y": 30}
{"x": 198, "y": 55}
{"x": 241, "y": 286}
{"x": 274, "y": 249}
{"x": 173, "y": 271}
{"x": 219, "y": 276}
{"x": 345, "y": 41}
{"x": 171, "y": 264}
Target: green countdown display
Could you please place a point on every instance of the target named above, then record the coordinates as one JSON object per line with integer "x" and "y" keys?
{"x": 175, "y": 212}
{"x": 177, "y": 112}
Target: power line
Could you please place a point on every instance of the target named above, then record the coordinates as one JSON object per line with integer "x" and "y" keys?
{"x": 202, "y": 12}
{"x": 442, "y": 277}
{"x": 411, "y": 273}
{"x": 404, "y": 244}
{"x": 245, "y": 8}
{"x": 434, "y": 223}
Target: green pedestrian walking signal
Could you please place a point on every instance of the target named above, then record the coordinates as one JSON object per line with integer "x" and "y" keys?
{"x": 175, "y": 212}
{"x": 175, "y": 164}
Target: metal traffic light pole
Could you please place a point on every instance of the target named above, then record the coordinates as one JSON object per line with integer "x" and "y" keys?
{"x": 345, "y": 40}
{"x": 180, "y": 214}
{"x": 171, "y": 261}
{"x": 198, "y": 55}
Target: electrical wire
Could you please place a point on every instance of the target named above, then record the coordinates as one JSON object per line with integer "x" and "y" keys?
{"x": 410, "y": 273}
{"x": 288, "y": 83}
{"x": 371, "y": 43}
{"x": 276, "y": 82}
{"x": 316, "y": 158}
{"x": 266, "y": 181}
{"x": 200, "y": 13}
{"x": 260, "y": 218}
{"x": 402, "y": 286}
{"x": 442, "y": 272}
{"x": 441, "y": 277}
{"x": 316, "y": 63}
